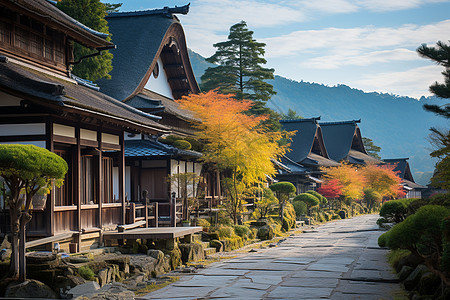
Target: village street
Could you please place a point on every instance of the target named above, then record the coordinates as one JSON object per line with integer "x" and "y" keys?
{"x": 339, "y": 260}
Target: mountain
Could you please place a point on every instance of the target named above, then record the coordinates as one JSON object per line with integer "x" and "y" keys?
{"x": 397, "y": 124}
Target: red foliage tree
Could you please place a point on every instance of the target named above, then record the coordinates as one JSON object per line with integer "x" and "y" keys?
{"x": 331, "y": 188}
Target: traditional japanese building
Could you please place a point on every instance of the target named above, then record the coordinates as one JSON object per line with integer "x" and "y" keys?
{"x": 343, "y": 142}
{"x": 308, "y": 153}
{"x": 42, "y": 104}
{"x": 410, "y": 187}
{"x": 151, "y": 69}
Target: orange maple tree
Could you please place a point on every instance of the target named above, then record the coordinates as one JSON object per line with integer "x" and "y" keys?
{"x": 383, "y": 180}
{"x": 235, "y": 141}
{"x": 350, "y": 178}
{"x": 331, "y": 188}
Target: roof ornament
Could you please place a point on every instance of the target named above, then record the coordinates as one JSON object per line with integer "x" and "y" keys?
{"x": 168, "y": 11}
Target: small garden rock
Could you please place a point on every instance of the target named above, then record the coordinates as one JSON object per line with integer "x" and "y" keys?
{"x": 30, "y": 288}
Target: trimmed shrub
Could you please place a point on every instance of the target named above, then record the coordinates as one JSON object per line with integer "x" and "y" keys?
{"x": 203, "y": 223}
{"x": 86, "y": 273}
{"x": 289, "y": 217}
{"x": 225, "y": 232}
{"x": 182, "y": 144}
{"x": 309, "y": 199}
{"x": 321, "y": 198}
{"x": 242, "y": 231}
{"x": 394, "y": 211}
{"x": 300, "y": 208}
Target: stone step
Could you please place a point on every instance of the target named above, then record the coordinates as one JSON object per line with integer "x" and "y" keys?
{"x": 205, "y": 244}
{"x": 209, "y": 251}
{"x": 197, "y": 237}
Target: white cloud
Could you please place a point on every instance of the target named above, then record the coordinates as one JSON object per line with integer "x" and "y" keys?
{"x": 363, "y": 59}
{"x": 220, "y": 15}
{"x": 383, "y": 5}
{"x": 413, "y": 82}
{"x": 351, "y": 42}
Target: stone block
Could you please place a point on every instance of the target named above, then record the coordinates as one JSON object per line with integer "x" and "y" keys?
{"x": 191, "y": 252}
{"x": 30, "y": 287}
{"x": 413, "y": 279}
{"x": 404, "y": 272}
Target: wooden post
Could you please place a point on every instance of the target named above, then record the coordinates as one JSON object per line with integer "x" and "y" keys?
{"x": 122, "y": 177}
{"x": 156, "y": 214}
{"x": 50, "y": 207}
{"x": 77, "y": 184}
{"x": 101, "y": 191}
{"x": 173, "y": 210}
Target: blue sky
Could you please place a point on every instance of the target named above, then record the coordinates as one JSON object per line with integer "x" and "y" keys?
{"x": 366, "y": 44}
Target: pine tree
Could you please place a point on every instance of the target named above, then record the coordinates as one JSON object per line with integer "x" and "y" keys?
{"x": 441, "y": 56}
{"x": 239, "y": 69}
{"x": 92, "y": 14}
{"x": 371, "y": 148}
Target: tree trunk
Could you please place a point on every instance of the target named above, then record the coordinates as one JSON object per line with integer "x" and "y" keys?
{"x": 22, "y": 261}
{"x": 14, "y": 265}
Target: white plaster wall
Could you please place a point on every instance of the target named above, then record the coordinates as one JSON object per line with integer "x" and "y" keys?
{"x": 110, "y": 138}
{"x": 160, "y": 85}
{"x": 9, "y": 100}
{"x": 22, "y": 129}
{"x": 64, "y": 130}
{"x": 88, "y": 135}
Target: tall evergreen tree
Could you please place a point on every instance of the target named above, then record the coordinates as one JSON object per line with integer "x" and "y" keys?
{"x": 441, "y": 56}
{"x": 371, "y": 148}
{"x": 92, "y": 14}
{"x": 440, "y": 138}
{"x": 240, "y": 72}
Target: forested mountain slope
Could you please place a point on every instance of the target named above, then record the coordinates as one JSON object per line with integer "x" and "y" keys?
{"x": 397, "y": 124}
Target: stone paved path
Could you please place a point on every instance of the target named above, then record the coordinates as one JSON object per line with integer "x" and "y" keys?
{"x": 339, "y": 260}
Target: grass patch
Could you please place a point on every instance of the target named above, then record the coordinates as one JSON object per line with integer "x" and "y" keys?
{"x": 395, "y": 255}
{"x": 86, "y": 272}
{"x": 156, "y": 286}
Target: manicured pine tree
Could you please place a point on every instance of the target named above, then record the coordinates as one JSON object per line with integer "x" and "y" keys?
{"x": 240, "y": 72}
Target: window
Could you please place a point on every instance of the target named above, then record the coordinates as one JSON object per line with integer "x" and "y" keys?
{"x": 63, "y": 194}
{"x": 89, "y": 180}
{"x": 107, "y": 180}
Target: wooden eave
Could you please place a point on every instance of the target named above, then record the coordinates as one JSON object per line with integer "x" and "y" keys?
{"x": 73, "y": 31}
{"x": 174, "y": 55}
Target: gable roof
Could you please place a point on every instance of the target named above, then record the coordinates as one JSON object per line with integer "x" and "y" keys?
{"x": 302, "y": 141}
{"x": 58, "y": 93}
{"x": 343, "y": 141}
{"x": 47, "y": 13}
{"x": 402, "y": 167}
{"x": 143, "y": 37}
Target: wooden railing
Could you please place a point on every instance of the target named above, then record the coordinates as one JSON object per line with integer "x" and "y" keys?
{"x": 143, "y": 212}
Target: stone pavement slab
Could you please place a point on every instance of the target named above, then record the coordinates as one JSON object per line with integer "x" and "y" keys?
{"x": 340, "y": 260}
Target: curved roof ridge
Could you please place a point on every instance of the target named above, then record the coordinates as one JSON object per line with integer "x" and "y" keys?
{"x": 354, "y": 122}
{"x": 166, "y": 11}
{"x": 314, "y": 119}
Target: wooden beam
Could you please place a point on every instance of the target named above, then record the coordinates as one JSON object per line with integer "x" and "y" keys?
{"x": 173, "y": 66}
{"x": 51, "y": 205}
{"x": 101, "y": 191}
{"x": 77, "y": 182}
{"x": 122, "y": 177}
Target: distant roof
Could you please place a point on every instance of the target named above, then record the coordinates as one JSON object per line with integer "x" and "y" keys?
{"x": 303, "y": 140}
{"x": 402, "y": 167}
{"x": 317, "y": 160}
{"x": 342, "y": 137}
{"x": 60, "y": 93}
{"x": 151, "y": 101}
{"x": 412, "y": 185}
{"x": 46, "y": 12}
{"x": 155, "y": 150}
{"x": 293, "y": 167}
{"x": 141, "y": 38}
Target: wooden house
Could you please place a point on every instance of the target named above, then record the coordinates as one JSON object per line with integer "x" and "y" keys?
{"x": 308, "y": 152}
{"x": 410, "y": 187}
{"x": 151, "y": 69}
{"x": 344, "y": 142}
{"x": 42, "y": 104}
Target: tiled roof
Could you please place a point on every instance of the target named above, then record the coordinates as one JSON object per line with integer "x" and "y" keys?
{"x": 154, "y": 149}
{"x": 61, "y": 93}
